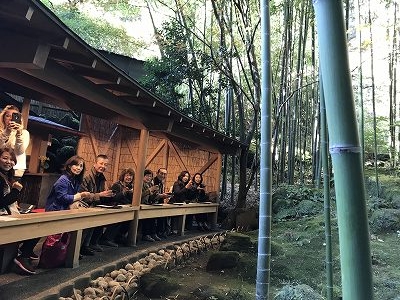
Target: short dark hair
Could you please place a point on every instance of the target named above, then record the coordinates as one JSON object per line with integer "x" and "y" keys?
{"x": 147, "y": 172}
{"x": 158, "y": 171}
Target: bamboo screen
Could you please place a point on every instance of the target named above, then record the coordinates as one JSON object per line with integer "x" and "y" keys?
{"x": 121, "y": 145}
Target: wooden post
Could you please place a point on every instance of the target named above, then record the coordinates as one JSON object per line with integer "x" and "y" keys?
{"x": 26, "y": 104}
{"x": 74, "y": 248}
{"x": 141, "y": 162}
{"x": 137, "y": 189}
{"x": 214, "y": 219}
{"x": 218, "y": 175}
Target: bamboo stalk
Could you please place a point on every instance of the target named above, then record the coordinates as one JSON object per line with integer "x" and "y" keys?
{"x": 264, "y": 234}
{"x": 355, "y": 255}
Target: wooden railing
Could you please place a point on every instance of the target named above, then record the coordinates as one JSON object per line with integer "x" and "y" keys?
{"x": 15, "y": 228}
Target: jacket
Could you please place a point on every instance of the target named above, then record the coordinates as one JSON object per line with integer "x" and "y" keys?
{"x": 8, "y": 196}
{"x": 62, "y": 194}
{"x": 94, "y": 183}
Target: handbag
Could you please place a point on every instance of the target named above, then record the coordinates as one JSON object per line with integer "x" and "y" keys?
{"x": 78, "y": 205}
{"x": 54, "y": 250}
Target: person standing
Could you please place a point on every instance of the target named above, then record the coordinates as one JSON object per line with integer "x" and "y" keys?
{"x": 95, "y": 183}
{"x": 10, "y": 193}
{"x": 14, "y": 136}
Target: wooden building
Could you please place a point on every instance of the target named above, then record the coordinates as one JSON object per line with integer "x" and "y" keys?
{"x": 42, "y": 59}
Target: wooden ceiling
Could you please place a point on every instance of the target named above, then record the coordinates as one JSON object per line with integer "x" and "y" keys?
{"x": 42, "y": 59}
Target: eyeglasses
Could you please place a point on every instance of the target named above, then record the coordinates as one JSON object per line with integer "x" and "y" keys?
{"x": 163, "y": 173}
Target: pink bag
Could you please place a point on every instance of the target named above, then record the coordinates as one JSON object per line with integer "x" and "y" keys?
{"x": 54, "y": 250}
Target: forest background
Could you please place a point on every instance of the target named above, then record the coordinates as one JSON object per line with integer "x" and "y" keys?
{"x": 203, "y": 57}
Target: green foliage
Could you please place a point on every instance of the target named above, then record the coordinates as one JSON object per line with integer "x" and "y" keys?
{"x": 236, "y": 294}
{"x": 177, "y": 71}
{"x": 97, "y": 32}
{"x": 308, "y": 208}
{"x": 239, "y": 242}
{"x": 382, "y": 134}
{"x": 298, "y": 292}
{"x": 385, "y": 220}
{"x": 290, "y": 201}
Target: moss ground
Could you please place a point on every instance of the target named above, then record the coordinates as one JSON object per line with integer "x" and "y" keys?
{"x": 301, "y": 260}
{"x": 298, "y": 258}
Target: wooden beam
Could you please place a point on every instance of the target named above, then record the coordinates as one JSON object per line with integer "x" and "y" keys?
{"x": 217, "y": 187}
{"x": 93, "y": 142}
{"x": 166, "y": 154}
{"x": 62, "y": 55}
{"x": 178, "y": 157}
{"x": 131, "y": 149}
{"x": 155, "y": 152}
{"x": 34, "y": 158}
{"x": 64, "y": 79}
{"x": 19, "y": 51}
{"x": 210, "y": 161}
{"x": 117, "y": 157}
{"x": 109, "y": 142}
{"x": 25, "y": 111}
{"x": 57, "y": 95}
{"x": 141, "y": 157}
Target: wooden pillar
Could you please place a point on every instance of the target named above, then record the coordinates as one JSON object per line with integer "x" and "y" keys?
{"x": 214, "y": 217}
{"x": 137, "y": 188}
{"x": 218, "y": 175}
{"x": 141, "y": 162}
{"x": 26, "y": 105}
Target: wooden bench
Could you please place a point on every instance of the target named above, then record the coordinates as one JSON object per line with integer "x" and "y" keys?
{"x": 16, "y": 228}
{"x": 180, "y": 211}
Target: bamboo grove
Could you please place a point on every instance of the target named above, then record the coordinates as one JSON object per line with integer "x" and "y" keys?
{"x": 209, "y": 67}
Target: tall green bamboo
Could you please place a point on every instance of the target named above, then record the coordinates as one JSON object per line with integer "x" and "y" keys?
{"x": 361, "y": 86}
{"x": 327, "y": 197}
{"x": 264, "y": 234}
{"x": 355, "y": 255}
{"x": 373, "y": 98}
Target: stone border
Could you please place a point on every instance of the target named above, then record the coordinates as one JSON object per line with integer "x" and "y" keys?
{"x": 120, "y": 279}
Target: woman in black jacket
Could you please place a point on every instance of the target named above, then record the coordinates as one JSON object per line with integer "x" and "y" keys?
{"x": 181, "y": 187}
{"x": 9, "y": 194}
